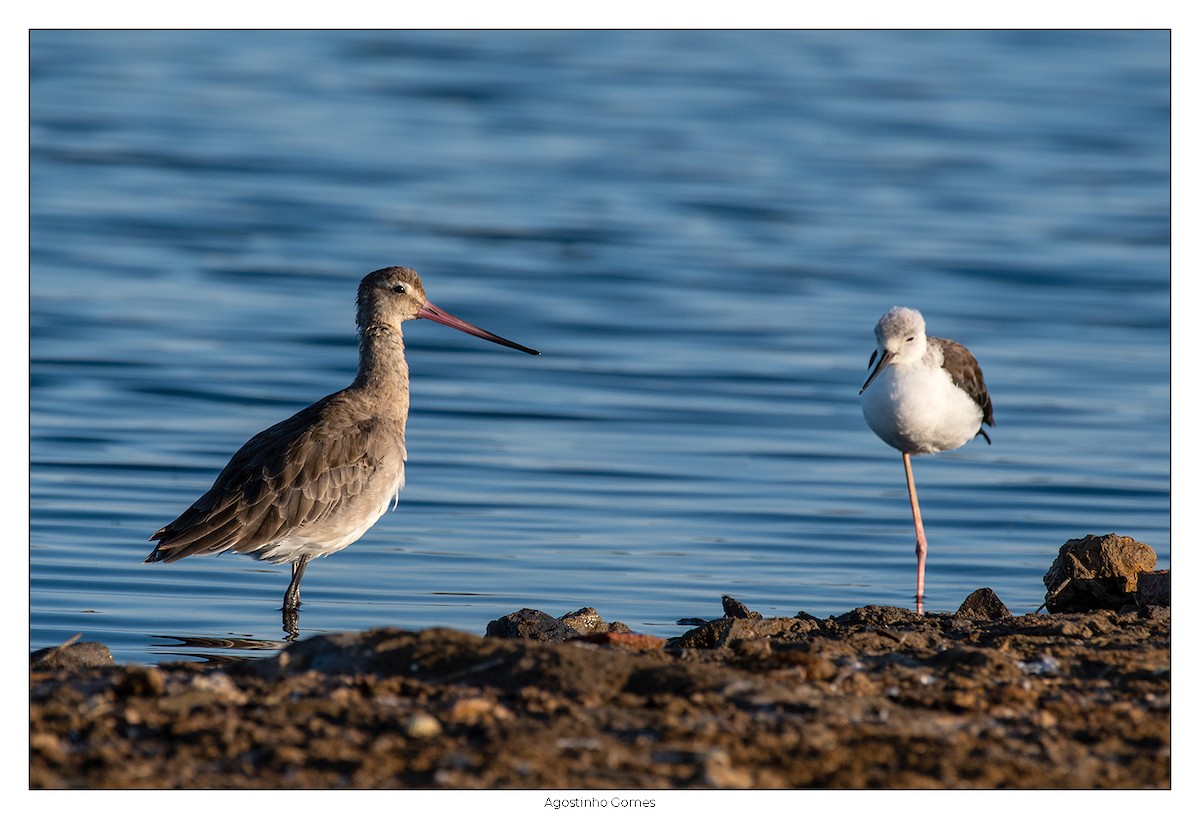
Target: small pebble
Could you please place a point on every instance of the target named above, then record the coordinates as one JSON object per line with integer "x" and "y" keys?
{"x": 421, "y": 726}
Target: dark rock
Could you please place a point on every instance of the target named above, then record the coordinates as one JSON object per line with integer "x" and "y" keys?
{"x": 73, "y": 655}
{"x": 719, "y": 633}
{"x": 809, "y": 659}
{"x": 1084, "y": 595}
{"x": 756, "y": 648}
{"x": 878, "y": 616}
{"x": 737, "y": 609}
{"x": 141, "y": 681}
{"x": 710, "y": 635}
{"x": 1154, "y": 588}
{"x": 677, "y": 680}
{"x": 983, "y": 604}
{"x": 1097, "y": 572}
{"x": 1155, "y": 612}
{"x": 531, "y": 624}
{"x": 441, "y": 656}
{"x": 433, "y": 655}
{"x": 970, "y": 659}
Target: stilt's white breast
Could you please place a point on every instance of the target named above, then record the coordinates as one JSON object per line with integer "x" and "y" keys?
{"x": 911, "y": 400}
{"x": 918, "y": 409}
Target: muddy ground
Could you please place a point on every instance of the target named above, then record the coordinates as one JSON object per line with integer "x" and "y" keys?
{"x": 878, "y": 697}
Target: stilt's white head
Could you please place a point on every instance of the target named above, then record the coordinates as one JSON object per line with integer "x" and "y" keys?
{"x": 899, "y": 338}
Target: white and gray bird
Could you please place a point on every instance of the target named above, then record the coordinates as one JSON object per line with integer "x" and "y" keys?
{"x": 923, "y": 395}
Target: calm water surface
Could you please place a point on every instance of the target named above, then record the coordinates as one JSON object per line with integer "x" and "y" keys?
{"x": 698, "y": 230}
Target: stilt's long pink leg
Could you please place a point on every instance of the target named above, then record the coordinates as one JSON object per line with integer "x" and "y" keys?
{"x": 922, "y": 546}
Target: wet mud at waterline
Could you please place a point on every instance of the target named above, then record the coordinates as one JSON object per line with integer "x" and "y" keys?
{"x": 876, "y": 697}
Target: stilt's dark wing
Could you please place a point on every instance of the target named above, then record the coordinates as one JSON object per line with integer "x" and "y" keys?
{"x": 965, "y": 372}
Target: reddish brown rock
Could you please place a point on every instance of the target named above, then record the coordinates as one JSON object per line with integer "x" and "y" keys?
{"x": 1097, "y": 572}
{"x": 637, "y": 642}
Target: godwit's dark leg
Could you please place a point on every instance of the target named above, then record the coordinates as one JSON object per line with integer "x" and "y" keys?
{"x": 291, "y": 598}
{"x": 291, "y": 623}
{"x": 922, "y": 546}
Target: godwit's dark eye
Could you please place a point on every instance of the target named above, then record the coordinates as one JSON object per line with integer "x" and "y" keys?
{"x": 398, "y": 288}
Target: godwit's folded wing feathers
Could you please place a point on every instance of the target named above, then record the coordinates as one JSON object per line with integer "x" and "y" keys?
{"x": 282, "y": 481}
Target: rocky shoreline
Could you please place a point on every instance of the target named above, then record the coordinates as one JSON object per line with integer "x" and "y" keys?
{"x": 878, "y": 697}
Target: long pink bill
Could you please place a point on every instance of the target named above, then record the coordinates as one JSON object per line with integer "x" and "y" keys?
{"x": 433, "y": 313}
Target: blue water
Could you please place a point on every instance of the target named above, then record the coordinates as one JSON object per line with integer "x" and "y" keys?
{"x": 698, "y": 229}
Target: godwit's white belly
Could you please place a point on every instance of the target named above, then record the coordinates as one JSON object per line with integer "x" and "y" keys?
{"x": 329, "y": 536}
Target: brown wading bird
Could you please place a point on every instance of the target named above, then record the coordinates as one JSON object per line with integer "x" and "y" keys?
{"x": 315, "y": 483}
{"x": 926, "y": 395}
